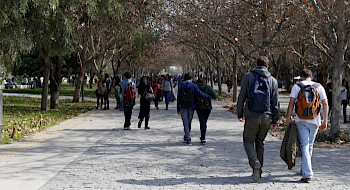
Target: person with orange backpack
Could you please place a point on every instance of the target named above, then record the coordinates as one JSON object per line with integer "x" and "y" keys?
{"x": 307, "y": 96}
{"x": 128, "y": 94}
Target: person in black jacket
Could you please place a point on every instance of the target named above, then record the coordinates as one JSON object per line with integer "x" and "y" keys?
{"x": 145, "y": 105}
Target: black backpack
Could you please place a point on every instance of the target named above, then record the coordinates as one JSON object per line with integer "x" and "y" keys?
{"x": 186, "y": 97}
{"x": 201, "y": 102}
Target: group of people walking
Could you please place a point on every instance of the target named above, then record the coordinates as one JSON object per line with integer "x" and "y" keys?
{"x": 258, "y": 106}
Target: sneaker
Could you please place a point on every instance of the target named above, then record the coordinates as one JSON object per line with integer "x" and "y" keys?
{"x": 306, "y": 179}
{"x": 256, "y": 171}
{"x": 203, "y": 142}
{"x": 127, "y": 128}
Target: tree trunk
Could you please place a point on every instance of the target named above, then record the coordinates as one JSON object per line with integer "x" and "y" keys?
{"x": 79, "y": 82}
{"x": 234, "y": 79}
{"x": 324, "y": 70}
{"x": 219, "y": 74}
{"x": 55, "y": 82}
{"x": 45, "y": 90}
{"x": 338, "y": 72}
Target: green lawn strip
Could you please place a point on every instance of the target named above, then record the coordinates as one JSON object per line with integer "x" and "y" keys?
{"x": 22, "y": 115}
{"x": 66, "y": 90}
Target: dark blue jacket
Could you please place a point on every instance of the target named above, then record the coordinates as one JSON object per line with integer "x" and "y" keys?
{"x": 194, "y": 89}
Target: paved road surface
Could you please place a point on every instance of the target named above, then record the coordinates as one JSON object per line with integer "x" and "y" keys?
{"x": 93, "y": 152}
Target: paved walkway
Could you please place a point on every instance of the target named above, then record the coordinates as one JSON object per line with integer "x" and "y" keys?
{"x": 93, "y": 152}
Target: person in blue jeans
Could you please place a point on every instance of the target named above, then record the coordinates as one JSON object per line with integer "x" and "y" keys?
{"x": 167, "y": 88}
{"x": 204, "y": 107}
{"x": 307, "y": 128}
{"x": 186, "y": 104}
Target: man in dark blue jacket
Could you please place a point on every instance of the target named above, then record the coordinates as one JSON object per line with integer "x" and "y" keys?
{"x": 259, "y": 96}
{"x": 186, "y": 104}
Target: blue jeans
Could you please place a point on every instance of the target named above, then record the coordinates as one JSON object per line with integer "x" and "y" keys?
{"x": 187, "y": 116}
{"x": 122, "y": 103}
{"x": 167, "y": 97}
{"x": 307, "y": 133}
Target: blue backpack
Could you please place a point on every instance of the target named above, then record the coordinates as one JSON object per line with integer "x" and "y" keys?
{"x": 259, "y": 94}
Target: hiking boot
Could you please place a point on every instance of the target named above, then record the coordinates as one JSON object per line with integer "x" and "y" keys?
{"x": 256, "y": 171}
{"x": 306, "y": 179}
{"x": 203, "y": 142}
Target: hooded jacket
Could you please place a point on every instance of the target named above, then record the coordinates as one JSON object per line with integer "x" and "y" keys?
{"x": 248, "y": 79}
{"x": 208, "y": 90}
{"x": 194, "y": 90}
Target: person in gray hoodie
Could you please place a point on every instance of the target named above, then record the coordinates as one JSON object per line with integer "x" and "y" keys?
{"x": 258, "y": 100}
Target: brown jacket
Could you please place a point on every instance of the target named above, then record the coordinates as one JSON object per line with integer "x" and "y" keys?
{"x": 290, "y": 148}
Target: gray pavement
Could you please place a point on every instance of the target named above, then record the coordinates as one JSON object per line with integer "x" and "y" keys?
{"x": 93, "y": 152}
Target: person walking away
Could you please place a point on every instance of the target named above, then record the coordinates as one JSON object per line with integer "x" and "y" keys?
{"x": 107, "y": 91}
{"x": 100, "y": 91}
{"x": 157, "y": 92}
{"x": 306, "y": 96}
{"x": 128, "y": 94}
{"x": 186, "y": 105}
{"x": 117, "y": 92}
{"x": 229, "y": 85}
{"x": 145, "y": 104}
{"x": 259, "y": 97}
{"x": 344, "y": 89}
{"x": 167, "y": 88}
{"x": 204, "y": 107}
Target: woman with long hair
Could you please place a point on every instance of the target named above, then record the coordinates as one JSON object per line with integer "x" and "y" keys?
{"x": 167, "y": 88}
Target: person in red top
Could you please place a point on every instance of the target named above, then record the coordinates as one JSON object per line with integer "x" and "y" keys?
{"x": 156, "y": 90}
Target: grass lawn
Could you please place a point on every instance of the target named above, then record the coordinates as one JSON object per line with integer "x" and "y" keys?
{"x": 23, "y": 115}
{"x": 66, "y": 90}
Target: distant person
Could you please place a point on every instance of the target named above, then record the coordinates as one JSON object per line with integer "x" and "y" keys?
{"x": 204, "y": 107}
{"x": 25, "y": 81}
{"x": 258, "y": 100}
{"x": 229, "y": 85}
{"x": 307, "y": 96}
{"x": 167, "y": 88}
{"x": 344, "y": 97}
{"x": 117, "y": 91}
{"x": 100, "y": 91}
{"x": 156, "y": 91}
{"x": 107, "y": 91}
{"x": 186, "y": 104}
{"x": 4, "y": 83}
{"x": 128, "y": 98}
{"x": 145, "y": 103}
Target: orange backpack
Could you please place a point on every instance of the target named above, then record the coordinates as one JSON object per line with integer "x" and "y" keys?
{"x": 308, "y": 102}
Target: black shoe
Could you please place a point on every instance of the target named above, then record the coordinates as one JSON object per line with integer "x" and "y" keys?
{"x": 139, "y": 125}
{"x": 97, "y": 108}
{"x": 306, "y": 179}
{"x": 188, "y": 142}
{"x": 166, "y": 108}
{"x": 147, "y": 128}
{"x": 203, "y": 142}
{"x": 256, "y": 171}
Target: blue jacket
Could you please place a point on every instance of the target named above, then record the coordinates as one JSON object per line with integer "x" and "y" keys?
{"x": 194, "y": 89}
